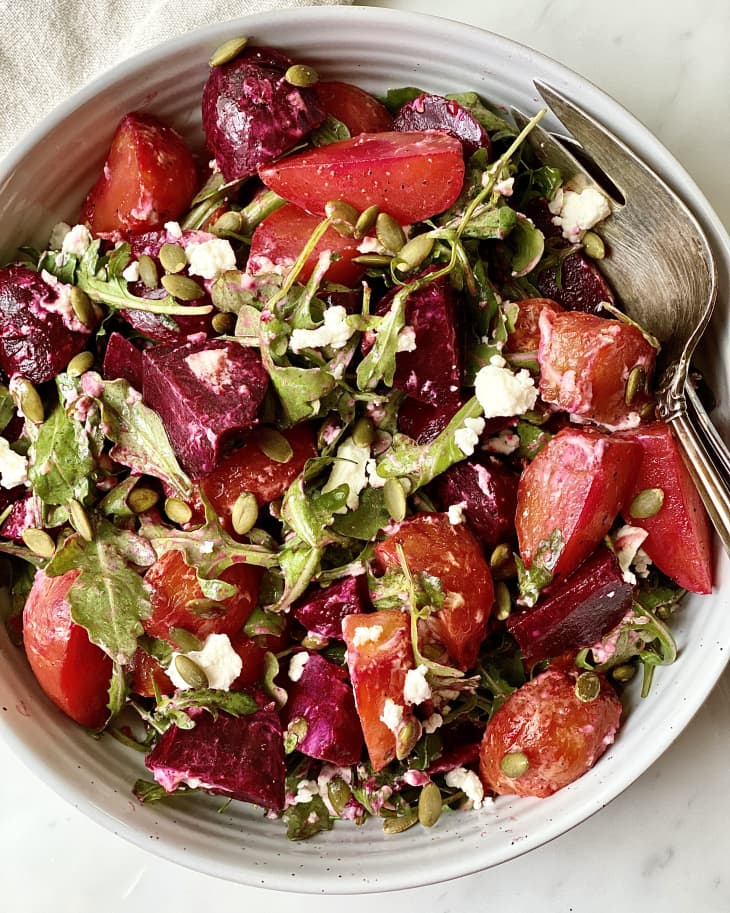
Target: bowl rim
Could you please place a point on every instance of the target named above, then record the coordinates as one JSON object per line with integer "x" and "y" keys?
{"x": 652, "y": 150}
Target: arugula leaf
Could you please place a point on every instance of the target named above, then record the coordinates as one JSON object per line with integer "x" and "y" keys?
{"x": 395, "y": 98}
{"x": 330, "y": 131}
{"x": 305, "y": 819}
{"x": 7, "y": 407}
{"x": 532, "y": 439}
{"x": 369, "y": 518}
{"x": 300, "y": 390}
{"x": 489, "y": 223}
{"x": 118, "y": 691}
{"x": 148, "y": 792}
{"x": 171, "y": 711}
{"x": 299, "y": 563}
{"x": 310, "y": 514}
{"x": 61, "y": 462}
{"x": 529, "y": 246}
{"x": 540, "y": 573}
{"x": 379, "y": 363}
{"x": 114, "y": 503}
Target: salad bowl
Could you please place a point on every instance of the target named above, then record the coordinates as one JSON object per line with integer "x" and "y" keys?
{"x": 45, "y": 179}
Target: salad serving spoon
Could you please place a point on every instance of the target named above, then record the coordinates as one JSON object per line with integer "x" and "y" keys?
{"x": 662, "y": 267}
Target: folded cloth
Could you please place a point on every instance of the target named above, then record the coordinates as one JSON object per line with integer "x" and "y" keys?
{"x": 50, "y": 49}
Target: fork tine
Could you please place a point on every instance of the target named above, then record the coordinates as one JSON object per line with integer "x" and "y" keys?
{"x": 549, "y": 149}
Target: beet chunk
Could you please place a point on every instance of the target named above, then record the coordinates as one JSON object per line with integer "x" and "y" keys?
{"x": 207, "y": 394}
{"x": 424, "y": 422}
{"x": 39, "y": 331}
{"x": 241, "y": 757}
{"x": 488, "y": 491}
{"x": 579, "y": 287}
{"x": 434, "y": 112}
{"x": 122, "y": 359}
{"x": 321, "y": 610}
{"x": 24, "y": 515}
{"x": 323, "y": 699}
{"x": 578, "y": 612}
{"x": 251, "y": 114}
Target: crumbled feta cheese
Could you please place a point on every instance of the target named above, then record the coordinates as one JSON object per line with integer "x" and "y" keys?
{"x": 503, "y": 393}
{"x": 13, "y": 466}
{"x": 505, "y": 188}
{"x": 505, "y": 442}
{"x": 406, "y": 340}
{"x": 306, "y": 791}
{"x": 392, "y": 715}
{"x": 641, "y": 563}
{"x": 58, "y": 233}
{"x": 210, "y": 258}
{"x": 350, "y": 469}
{"x": 334, "y": 332}
{"x": 576, "y": 212}
{"x": 173, "y": 228}
{"x": 626, "y": 543}
{"x": 434, "y": 722}
{"x": 131, "y": 272}
{"x": 76, "y": 241}
{"x": 468, "y": 782}
{"x": 456, "y": 513}
{"x": 220, "y": 662}
{"x": 416, "y": 689}
{"x": 467, "y": 438}
{"x": 211, "y": 367}
{"x": 296, "y": 665}
{"x": 365, "y": 634}
{"x": 374, "y": 479}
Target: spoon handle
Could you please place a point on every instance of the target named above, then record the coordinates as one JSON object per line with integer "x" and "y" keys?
{"x": 711, "y": 485}
{"x": 715, "y": 444}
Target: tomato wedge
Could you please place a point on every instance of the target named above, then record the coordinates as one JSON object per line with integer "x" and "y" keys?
{"x": 354, "y": 107}
{"x": 412, "y": 176}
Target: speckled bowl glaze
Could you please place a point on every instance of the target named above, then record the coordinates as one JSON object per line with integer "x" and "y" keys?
{"x": 45, "y": 179}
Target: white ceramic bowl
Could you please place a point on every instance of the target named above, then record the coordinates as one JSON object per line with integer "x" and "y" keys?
{"x": 45, "y": 178}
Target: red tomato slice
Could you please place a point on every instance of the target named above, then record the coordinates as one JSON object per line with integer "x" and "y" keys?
{"x": 450, "y": 552}
{"x": 526, "y": 335}
{"x": 680, "y": 538}
{"x": 560, "y": 735}
{"x": 412, "y": 176}
{"x": 173, "y": 587}
{"x": 252, "y": 656}
{"x": 249, "y": 469}
{"x": 357, "y": 110}
{"x": 576, "y": 487}
{"x": 148, "y": 673}
{"x": 378, "y": 669}
{"x": 279, "y": 240}
{"x": 149, "y": 178}
{"x": 73, "y": 672}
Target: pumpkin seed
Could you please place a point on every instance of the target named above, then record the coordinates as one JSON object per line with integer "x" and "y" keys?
{"x": 593, "y": 246}
{"x": 647, "y": 503}
{"x": 344, "y": 217}
{"x": 148, "y": 271}
{"x": 224, "y": 323}
{"x": 502, "y": 561}
{"x": 623, "y": 673}
{"x": 245, "y": 512}
{"x": 190, "y": 672}
{"x": 363, "y": 432}
{"x": 39, "y": 542}
{"x": 503, "y": 600}
{"x": 401, "y": 823}
{"x": 372, "y": 260}
{"x": 228, "y": 51}
{"x": 314, "y": 641}
{"x": 648, "y": 410}
{"x": 30, "y": 402}
{"x": 178, "y": 511}
{"x": 636, "y": 383}
{"x": 339, "y": 794}
{"x": 296, "y": 731}
{"x": 230, "y": 223}
{"x": 430, "y": 805}
{"x": 394, "y": 496}
{"x": 366, "y": 220}
{"x": 173, "y": 258}
{"x": 413, "y": 253}
{"x": 206, "y": 608}
{"x": 389, "y": 232}
{"x": 80, "y": 520}
{"x": 514, "y": 764}
{"x": 274, "y": 445}
{"x": 80, "y": 364}
{"x": 182, "y": 287}
{"x": 82, "y": 306}
{"x": 406, "y": 738}
{"x": 301, "y": 76}
{"x": 587, "y": 687}
{"x": 185, "y": 640}
{"x": 142, "y": 499}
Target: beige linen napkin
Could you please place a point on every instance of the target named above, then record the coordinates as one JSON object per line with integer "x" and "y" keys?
{"x": 50, "y": 49}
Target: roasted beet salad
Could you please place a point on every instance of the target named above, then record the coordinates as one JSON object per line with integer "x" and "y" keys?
{"x": 331, "y": 475}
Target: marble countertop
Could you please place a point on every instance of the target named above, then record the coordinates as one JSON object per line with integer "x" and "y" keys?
{"x": 659, "y": 846}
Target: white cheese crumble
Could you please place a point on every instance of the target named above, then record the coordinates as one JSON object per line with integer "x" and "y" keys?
{"x": 505, "y": 188}
{"x": 374, "y": 478}
{"x": 577, "y": 211}
{"x": 296, "y": 666}
{"x": 392, "y": 715}
{"x": 220, "y": 662}
{"x": 131, "y": 272}
{"x": 366, "y": 634}
{"x": 211, "y": 367}
{"x": 502, "y": 392}
{"x": 434, "y": 722}
{"x": 306, "y": 791}
{"x": 406, "y": 340}
{"x": 468, "y": 782}
{"x": 456, "y": 513}
{"x": 173, "y": 228}
{"x": 76, "y": 241}
{"x": 467, "y": 438}
{"x": 334, "y": 332}
{"x": 13, "y": 466}
{"x": 350, "y": 468}
{"x": 505, "y": 442}
{"x": 627, "y": 543}
{"x": 416, "y": 689}
{"x": 641, "y": 563}
{"x": 210, "y": 258}
{"x": 58, "y": 233}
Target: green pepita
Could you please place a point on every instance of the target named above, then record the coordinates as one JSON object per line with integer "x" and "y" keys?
{"x": 636, "y": 383}
{"x": 190, "y": 672}
{"x": 80, "y": 364}
{"x": 593, "y": 246}
{"x": 82, "y": 306}
{"x": 503, "y": 600}
{"x": 148, "y": 271}
{"x": 172, "y": 257}
{"x": 274, "y": 445}
{"x": 29, "y": 401}
{"x": 363, "y": 432}
{"x": 365, "y": 221}
{"x": 185, "y": 640}
{"x": 389, "y": 232}
{"x": 430, "y": 805}
{"x": 206, "y": 608}
{"x": 587, "y": 687}
{"x": 623, "y": 673}
{"x": 502, "y": 562}
{"x": 401, "y": 823}
{"x": 372, "y": 260}
{"x": 394, "y": 496}
{"x": 224, "y": 323}
{"x": 39, "y": 542}
{"x": 314, "y": 641}
{"x": 295, "y": 732}
{"x": 301, "y": 76}
{"x": 182, "y": 287}
{"x": 647, "y": 503}
{"x": 343, "y": 215}
{"x": 80, "y": 520}
{"x": 245, "y": 512}
{"x": 406, "y": 738}
{"x": 648, "y": 410}
{"x": 514, "y": 764}
{"x": 228, "y": 51}
{"x": 178, "y": 511}
{"x": 339, "y": 794}
{"x": 413, "y": 253}
{"x": 142, "y": 499}
{"x": 230, "y": 223}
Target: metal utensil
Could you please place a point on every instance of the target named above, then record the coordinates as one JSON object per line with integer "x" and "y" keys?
{"x": 662, "y": 266}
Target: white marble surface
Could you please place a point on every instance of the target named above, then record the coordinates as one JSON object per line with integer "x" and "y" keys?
{"x": 662, "y": 845}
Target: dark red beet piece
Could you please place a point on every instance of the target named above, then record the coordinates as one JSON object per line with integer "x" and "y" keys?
{"x": 576, "y": 613}
{"x": 581, "y": 286}
{"x": 434, "y": 112}
{"x": 207, "y": 394}
{"x": 424, "y": 422}
{"x": 321, "y": 610}
{"x": 39, "y": 331}
{"x": 241, "y": 757}
{"x": 488, "y": 490}
{"x": 122, "y": 359}
{"x": 24, "y": 515}
{"x": 460, "y": 747}
{"x": 323, "y": 698}
{"x": 251, "y": 114}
